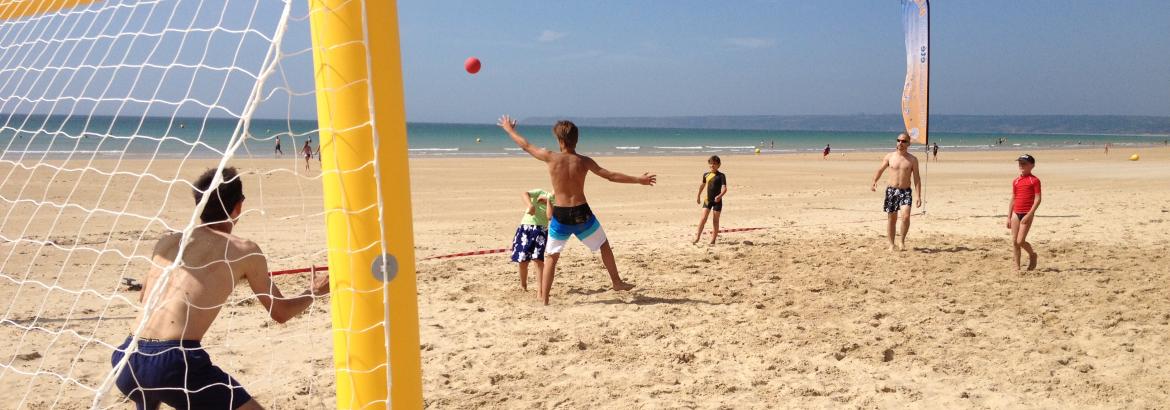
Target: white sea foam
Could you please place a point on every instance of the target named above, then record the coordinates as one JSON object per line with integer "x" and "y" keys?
{"x": 458, "y": 154}
{"x": 735, "y": 147}
{"x": 696, "y": 148}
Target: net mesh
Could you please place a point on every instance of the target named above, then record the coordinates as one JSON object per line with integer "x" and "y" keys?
{"x": 109, "y": 111}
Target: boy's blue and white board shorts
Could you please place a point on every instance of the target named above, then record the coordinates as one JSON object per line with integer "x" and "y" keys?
{"x": 587, "y": 230}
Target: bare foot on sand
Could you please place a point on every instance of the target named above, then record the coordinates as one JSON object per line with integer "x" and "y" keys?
{"x": 622, "y": 286}
{"x": 1032, "y": 259}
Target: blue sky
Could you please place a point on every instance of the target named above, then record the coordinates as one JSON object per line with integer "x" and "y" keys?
{"x": 611, "y": 58}
{"x": 619, "y": 58}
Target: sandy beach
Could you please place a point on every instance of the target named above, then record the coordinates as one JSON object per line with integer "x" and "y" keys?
{"x": 811, "y": 311}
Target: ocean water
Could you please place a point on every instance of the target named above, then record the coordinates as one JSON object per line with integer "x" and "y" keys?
{"x": 38, "y": 136}
{"x": 480, "y": 140}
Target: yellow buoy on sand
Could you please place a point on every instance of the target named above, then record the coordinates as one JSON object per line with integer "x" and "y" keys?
{"x": 757, "y": 151}
{"x": 1134, "y": 157}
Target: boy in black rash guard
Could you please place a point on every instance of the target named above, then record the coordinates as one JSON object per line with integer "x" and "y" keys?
{"x": 571, "y": 213}
{"x": 715, "y": 183}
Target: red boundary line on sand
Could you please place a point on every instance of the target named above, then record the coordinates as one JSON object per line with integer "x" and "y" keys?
{"x": 326, "y": 268}
{"x": 462, "y": 254}
{"x": 491, "y": 251}
{"x": 472, "y": 253}
{"x": 740, "y": 230}
{"x": 302, "y": 270}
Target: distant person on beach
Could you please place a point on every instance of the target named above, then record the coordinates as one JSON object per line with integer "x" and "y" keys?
{"x": 278, "y": 152}
{"x": 904, "y": 167}
{"x": 1022, "y": 209}
{"x": 1106, "y": 149}
{"x": 529, "y": 242}
{"x": 715, "y": 185}
{"x": 317, "y": 152}
{"x": 934, "y": 151}
{"x": 825, "y": 155}
{"x": 772, "y": 144}
{"x": 571, "y": 213}
{"x": 170, "y": 365}
{"x": 307, "y": 151}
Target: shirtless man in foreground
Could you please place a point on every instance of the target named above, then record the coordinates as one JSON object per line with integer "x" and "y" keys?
{"x": 571, "y": 213}
{"x": 898, "y": 193}
{"x": 170, "y": 366}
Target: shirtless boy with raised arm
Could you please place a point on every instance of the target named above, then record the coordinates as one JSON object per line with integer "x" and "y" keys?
{"x": 571, "y": 213}
{"x": 170, "y": 366}
{"x": 898, "y": 193}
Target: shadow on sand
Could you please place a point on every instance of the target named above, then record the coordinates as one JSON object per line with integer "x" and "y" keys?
{"x": 639, "y": 299}
{"x": 586, "y": 292}
{"x": 1038, "y": 216}
{"x": 953, "y": 249}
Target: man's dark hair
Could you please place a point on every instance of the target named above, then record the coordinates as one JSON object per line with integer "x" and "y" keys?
{"x": 566, "y": 132}
{"x": 224, "y": 197}
{"x": 714, "y": 160}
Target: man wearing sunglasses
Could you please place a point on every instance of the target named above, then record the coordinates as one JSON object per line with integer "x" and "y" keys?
{"x": 898, "y": 193}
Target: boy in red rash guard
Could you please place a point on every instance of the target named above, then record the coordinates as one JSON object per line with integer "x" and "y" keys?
{"x": 1022, "y": 209}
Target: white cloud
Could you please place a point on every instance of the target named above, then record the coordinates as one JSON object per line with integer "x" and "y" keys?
{"x": 549, "y": 36}
{"x": 580, "y": 55}
{"x": 598, "y": 56}
{"x": 751, "y": 42}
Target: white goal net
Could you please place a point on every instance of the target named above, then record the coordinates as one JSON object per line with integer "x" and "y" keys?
{"x": 109, "y": 111}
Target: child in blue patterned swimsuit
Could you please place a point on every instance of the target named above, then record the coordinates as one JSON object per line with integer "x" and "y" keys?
{"x": 532, "y": 234}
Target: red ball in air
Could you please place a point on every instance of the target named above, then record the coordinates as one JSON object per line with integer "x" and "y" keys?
{"x": 471, "y": 65}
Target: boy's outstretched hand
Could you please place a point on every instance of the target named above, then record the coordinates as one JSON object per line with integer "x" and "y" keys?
{"x": 648, "y": 179}
{"x": 320, "y": 286}
{"x": 507, "y": 123}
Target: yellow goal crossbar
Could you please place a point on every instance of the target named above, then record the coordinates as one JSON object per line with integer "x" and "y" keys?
{"x": 12, "y": 9}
